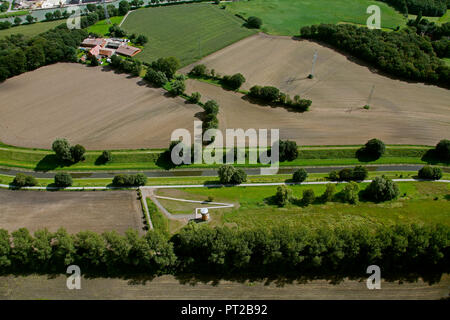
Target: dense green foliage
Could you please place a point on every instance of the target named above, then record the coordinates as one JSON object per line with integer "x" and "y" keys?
{"x": 230, "y": 175}
{"x": 350, "y": 193}
{"x": 24, "y": 180}
{"x": 19, "y": 54}
{"x": 235, "y": 81}
{"x": 428, "y": 172}
{"x": 382, "y": 189}
{"x": 177, "y": 87}
{"x": 63, "y": 179}
{"x": 274, "y": 96}
{"x": 66, "y": 153}
{"x": 166, "y": 65}
{"x": 299, "y": 175}
{"x": 358, "y": 173}
{"x": 254, "y": 22}
{"x": 288, "y": 150}
{"x": 128, "y": 65}
{"x": 401, "y": 53}
{"x": 157, "y": 78}
{"x": 398, "y": 249}
{"x": 308, "y": 197}
{"x": 282, "y": 196}
{"x": 443, "y": 150}
{"x": 433, "y": 8}
{"x": 128, "y": 180}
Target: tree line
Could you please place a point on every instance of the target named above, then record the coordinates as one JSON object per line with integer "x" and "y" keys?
{"x": 19, "y": 54}
{"x": 400, "y": 249}
{"x": 401, "y": 53}
{"x": 433, "y": 8}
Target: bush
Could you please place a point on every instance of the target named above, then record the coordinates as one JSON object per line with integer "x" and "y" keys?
{"x": 211, "y": 107}
{"x": 283, "y": 195}
{"x": 235, "y": 81}
{"x": 288, "y": 150}
{"x": 308, "y": 197}
{"x": 141, "y": 40}
{"x": 346, "y": 174}
{"x": 299, "y": 175}
{"x": 382, "y": 189}
{"x": 334, "y": 175}
{"x": 157, "y": 78}
{"x": 195, "y": 97}
{"x": 77, "y": 152}
{"x": 432, "y": 173}
{"x": 329, "y": 192}
{"x": 254, "y": 22}
{"x": 443, "y": 150}
{"x": 360, "y": 173}
{"x": 63, "y": 179}
{"x": 24, "y": 180}
{"x": 130, "y": 180}
{"x": 229, "y": 175}
{"x": 374, "y": 148}
{"x": 350, "y": 192}
{"x": 199, "y": 71}
{"x": 177, "y": 88}
{"x": 269, "y": 94}
{"x": 106, "y": 156}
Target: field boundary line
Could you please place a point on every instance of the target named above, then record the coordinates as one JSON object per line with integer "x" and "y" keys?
{"x": 262, "y": 184}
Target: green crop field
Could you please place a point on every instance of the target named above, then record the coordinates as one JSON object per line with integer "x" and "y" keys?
{"x": 187, "y": 32}
{"x": 31, "y": 29}
{"x": 419, "y": 202}
{"x": 102, "y": 26}
{"x": 285, "y": 17}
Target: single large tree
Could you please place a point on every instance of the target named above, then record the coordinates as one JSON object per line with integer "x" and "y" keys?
{"x": 61, "y": 147}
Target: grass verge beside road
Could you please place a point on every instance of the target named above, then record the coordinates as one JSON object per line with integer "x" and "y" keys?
{"x": 45, "y": 160}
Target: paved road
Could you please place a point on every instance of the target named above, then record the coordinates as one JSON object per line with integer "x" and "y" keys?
{"x": 208, "y": 172}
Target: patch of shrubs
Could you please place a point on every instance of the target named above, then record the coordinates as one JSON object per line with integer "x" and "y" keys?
{"x": 24, "y": 180}
{"x": 443, "y": 150}
{"x": 299, "y": 175}
{"x": 195, "y": 97}
{"x": 63, "y": 179}
{"x": 273, "y": 95}
{"x": 106, "y": 156}
{"x": 358, "y": 173}
{"x": 254, "y": 22}
{"x": 230, "y": 175}
{"x": 168, "y": 66}
{"x": 288, "y": 150}
{"x": 381, "y": 189}
{"x": 130, "y": 180}
{"x": 128, "y": 65}
{"x": 372, "y": 150}
{"x": 431, "y": 173}
{"x": 233, "y": 82}
{"x": 177, "y": 87}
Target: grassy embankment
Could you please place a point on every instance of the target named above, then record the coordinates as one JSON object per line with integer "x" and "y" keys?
{"x": 419, "y": 202}
{"x": 45, "y": 160}
{"x": 286, "y": 17}
{"x": 31, "y": 30}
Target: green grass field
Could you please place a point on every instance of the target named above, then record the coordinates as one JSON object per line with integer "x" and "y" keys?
{"x": 102, "y": 26}
{"x": 31, "y": 29}
{"x": 14, "y": 14}
{"x": 286, "y": 17}
{"x": 188, "y": 32}
{"x": 424, "y": 202}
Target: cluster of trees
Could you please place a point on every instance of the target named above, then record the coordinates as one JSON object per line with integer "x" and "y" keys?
{"x": 19, "y": 54}
{"x": 4, "y": 6}
{"x": 442, "y": 150}
{"x": 433, "y": 8}
{"x": 128, "y": 65}
{"x": 358, "y": 173}
{"x": 401, "y": 53}
{"x": 56, "y": 15}
{"x": 210, "y": 120}
{"x": 67, "y": 153}
{"x": 230, "y": 175}
{"x": 428, "y": 172}
{"x": 129, "y": 180}
{"x": 379, "y": 190}
{"x": 118, "y": 32}
{"x": 254, "y": 22}
{"x": 233, "y": 82}
{"x": 163, "y": 70}
{"x": 273, "y": 95}
{"x": 399, "y": 249}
